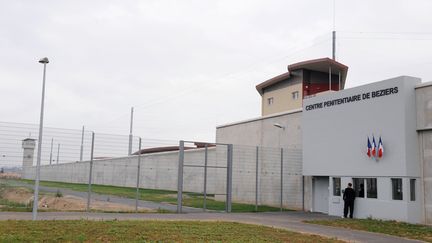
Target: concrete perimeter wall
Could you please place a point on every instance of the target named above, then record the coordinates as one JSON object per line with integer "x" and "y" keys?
{"x": 269, "y": 176}
{"x": 158, "y": 171}
{"x": 261, "y": 132}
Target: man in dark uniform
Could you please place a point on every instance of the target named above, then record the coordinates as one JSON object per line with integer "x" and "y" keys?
{"x": 349, "y": 197}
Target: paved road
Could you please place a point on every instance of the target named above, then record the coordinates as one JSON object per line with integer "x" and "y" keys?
{"x": 287, "y": 220}
{"x": 109, "y": 198}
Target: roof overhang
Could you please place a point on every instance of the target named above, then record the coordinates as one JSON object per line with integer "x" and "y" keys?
{"x": 320, "y": 65}
{"x": 272, "y": 81}
{"x": 323, "y": 65}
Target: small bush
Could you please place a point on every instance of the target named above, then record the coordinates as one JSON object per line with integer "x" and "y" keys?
{"x": 30, "y": 203}
{"x": 59, "y": 194}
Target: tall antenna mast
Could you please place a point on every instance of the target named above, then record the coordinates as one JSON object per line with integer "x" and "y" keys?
{"x": 334, "y": 45}
{"x": 334, "y": 32}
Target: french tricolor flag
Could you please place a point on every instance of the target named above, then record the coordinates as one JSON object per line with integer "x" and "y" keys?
{"x": 380, "y": 148}
{"x": 374, "y": 152}
{"x": 369, "y": 148}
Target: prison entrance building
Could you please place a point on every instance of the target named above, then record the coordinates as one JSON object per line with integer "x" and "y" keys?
{"x": 338, "y": 129}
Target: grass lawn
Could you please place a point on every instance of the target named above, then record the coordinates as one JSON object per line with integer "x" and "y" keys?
{"x": 406, "y": 230}
{"x": 189, "y": 199}
{"x": 8, "y": 206}
{"x": 146, "y": 231}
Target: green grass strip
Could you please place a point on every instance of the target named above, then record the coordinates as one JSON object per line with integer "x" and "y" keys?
{"x": 146, "y": 231}
{"x": 401, "y": 229}
{"x": 190, "y": 199}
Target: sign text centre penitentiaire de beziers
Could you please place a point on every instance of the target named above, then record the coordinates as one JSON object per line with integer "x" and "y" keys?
{"x": 353, "y": 98}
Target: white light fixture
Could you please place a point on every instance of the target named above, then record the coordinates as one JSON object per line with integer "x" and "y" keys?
{"x": 279, "y": 125}
{"x": 44, "y": 60}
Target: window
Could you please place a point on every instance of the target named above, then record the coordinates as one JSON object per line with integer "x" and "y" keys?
{"x": 270, "y": 101}
{"x": 396, "y": 188}
{"x": 365, "y": 187}
{"x": 295, "y": 95}
{"x": 336, "y": 186}
{"x": 358, "y": 184}
{"x": 412, "y": 189}
{"x": 371, "y": 184}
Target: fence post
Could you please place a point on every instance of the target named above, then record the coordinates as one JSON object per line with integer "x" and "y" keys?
{"x": 130, "y": 132}
{"x": 180, "y": 177}
{"x": 281, "y": 179}
{"x": 58, "y": 153}
{"x": 229, "y": 178}
{"x": 205, "y": 177}
{"x": 138, "y": 176}
{"x": 52, "y": 141}
{"x": 303, "y": 193}
{"x": 256, "y": 180}
{"x": 90, "y": 173}
{"x": 82, "y": 144}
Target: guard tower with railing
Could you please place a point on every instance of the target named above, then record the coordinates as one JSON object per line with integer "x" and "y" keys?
{"x": 286, "y": 92}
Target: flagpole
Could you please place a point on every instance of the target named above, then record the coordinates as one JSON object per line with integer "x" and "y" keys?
{"x": 380, "y": 148}
{"x": 377, "y": 157}
{"x": 375, "y": 148}
{"x": 369, "y": 147}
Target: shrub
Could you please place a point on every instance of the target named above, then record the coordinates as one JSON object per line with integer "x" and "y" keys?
{"x": 59, "y": 194}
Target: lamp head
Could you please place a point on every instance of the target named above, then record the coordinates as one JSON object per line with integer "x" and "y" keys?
{"x": 44, "y": 60}
{"x": 279, "y": 125}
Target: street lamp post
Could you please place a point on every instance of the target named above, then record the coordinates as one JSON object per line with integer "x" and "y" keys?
{"x": 282, "y": 127}
{"x": 44, "y": 61}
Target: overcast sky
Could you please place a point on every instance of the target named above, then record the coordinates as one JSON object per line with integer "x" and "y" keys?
{"x": 187, "y": 66}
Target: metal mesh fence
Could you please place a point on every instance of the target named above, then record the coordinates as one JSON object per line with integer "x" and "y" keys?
{"x": 267, "y": 176}
{"x": 58, "y": 145}
{"x": 221, "y": 177}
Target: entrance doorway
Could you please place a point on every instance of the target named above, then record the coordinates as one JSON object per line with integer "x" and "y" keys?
{"x": 320, "y": 185}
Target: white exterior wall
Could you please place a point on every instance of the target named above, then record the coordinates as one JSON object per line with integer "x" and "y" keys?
{"x": 261, "y": 132}
{"x": 335, "y": 144}
{"x": 424, "y": 127}
{"x": 158, "y": 171}
{"x": 382, "y": 207}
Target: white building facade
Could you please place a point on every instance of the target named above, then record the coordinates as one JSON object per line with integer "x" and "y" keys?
{"x": 336, "y": 130}
{"x": 332, "y": 130}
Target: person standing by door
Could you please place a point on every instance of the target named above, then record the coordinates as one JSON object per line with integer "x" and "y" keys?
{"x": 349, "y": 197}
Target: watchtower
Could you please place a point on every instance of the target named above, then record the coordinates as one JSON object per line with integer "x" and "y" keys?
{"x": 28, "y": 145}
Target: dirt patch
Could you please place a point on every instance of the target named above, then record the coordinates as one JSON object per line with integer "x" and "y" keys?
{"x": 18, "y": 195}
{"x": 72, "y": 203}
{"x": 65, "y": 203}
{"x": 10, "y": 175}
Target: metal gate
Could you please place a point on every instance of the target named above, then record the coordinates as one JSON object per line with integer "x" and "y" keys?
{"x": 201, "y": 160}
